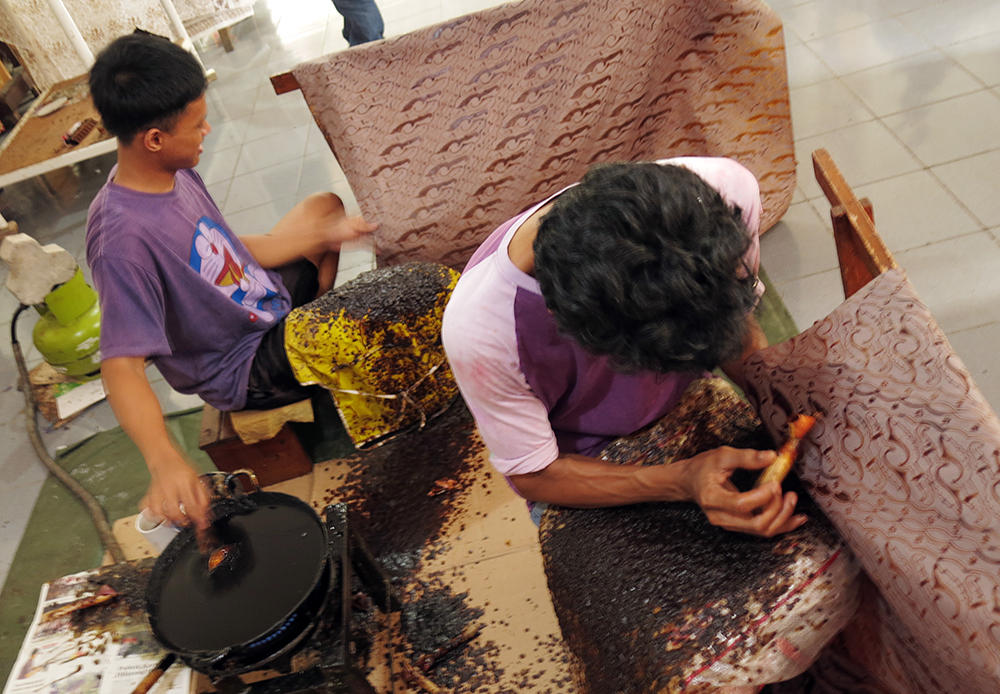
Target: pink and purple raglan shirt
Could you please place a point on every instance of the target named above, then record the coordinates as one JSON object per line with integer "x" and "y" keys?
{"x": 535, "y": 394}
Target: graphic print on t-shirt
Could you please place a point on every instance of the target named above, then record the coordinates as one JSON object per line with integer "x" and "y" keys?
{"x": 214, "y": 257}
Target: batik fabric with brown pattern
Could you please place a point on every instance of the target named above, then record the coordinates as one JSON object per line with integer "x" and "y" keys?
{"x": 905, "y": 461}
{"x": 448, "y": 131}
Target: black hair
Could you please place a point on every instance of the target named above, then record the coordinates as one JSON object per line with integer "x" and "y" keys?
{"x": 642, "y": 262}
{"x": 141, "y": 81}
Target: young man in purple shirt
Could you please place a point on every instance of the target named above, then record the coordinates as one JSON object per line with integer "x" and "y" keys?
{"x": 584, "y": 319}
{"x": 176, "y": 285}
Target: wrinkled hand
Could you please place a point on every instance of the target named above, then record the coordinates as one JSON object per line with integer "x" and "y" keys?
{"x": 177, "y": 494}
{"x": 764, "y": 511}
{"x": 346, "y": 229}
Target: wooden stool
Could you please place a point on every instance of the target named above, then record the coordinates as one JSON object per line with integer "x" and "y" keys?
{"x": 276, "y": 458}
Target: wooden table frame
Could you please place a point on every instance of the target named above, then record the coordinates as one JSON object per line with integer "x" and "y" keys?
{"x": 863, "y": 255}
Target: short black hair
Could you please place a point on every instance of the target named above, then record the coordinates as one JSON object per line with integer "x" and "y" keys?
{"x": 141, "y": 81}
{"x": 643, "y": 263}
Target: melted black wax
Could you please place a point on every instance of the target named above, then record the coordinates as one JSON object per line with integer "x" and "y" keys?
{"x": 388, "y": 489}
{"x": 278, "y": 553}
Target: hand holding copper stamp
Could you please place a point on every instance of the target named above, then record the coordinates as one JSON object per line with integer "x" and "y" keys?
{"x": 798, "y": 427}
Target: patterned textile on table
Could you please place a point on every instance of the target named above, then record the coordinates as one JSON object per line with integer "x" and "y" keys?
{"x": 203, "y": 16}
{"x": 653, "y": 598}
{"x": 45, "y": 49}
{"x": 905, "y": 462}
{"x": 448, "y": 131}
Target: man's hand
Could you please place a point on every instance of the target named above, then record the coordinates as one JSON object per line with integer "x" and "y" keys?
{"x": 312, "y": 229}
{"x": 343, "y": 229}
{"x": 764, "y": 511}
{"x": 581, "y": 482}
{"x": 138, "y": 411}
{"x": 176, "y": 493}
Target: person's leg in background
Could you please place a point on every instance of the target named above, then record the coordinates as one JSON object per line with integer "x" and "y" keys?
{"x": 362, "y": 20}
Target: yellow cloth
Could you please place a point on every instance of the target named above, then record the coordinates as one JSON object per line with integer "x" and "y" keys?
{"x": 375, "y": 344}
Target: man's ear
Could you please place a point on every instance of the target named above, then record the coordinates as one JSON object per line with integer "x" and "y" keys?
{"x": 153, "y": 139}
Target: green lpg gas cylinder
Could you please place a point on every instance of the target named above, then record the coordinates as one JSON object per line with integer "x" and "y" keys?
{"x": 69, "y": 328}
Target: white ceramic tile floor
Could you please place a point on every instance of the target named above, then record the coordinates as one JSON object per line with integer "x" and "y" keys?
{"x": 219, "y": 165}
{"x": 919, "y": 80}
{"x": 950, "y": 130}
{"x": 904, "y": 225}
{"x": 865, "y": 153}
{"x": 277, "y": 181}
{"x": 804, "y": 66}
{"x": 278, "y": 147}
{"x": 974, "y": 181}
{"x": 981, "y": 57}
{"x": 824, "y": 106}
{"x": 915, "y": 125}
{"x": 812, "y": 20}
{"x": 882, "y": 41}
{"x": 958, "y": 279}
{"x": 947, "y": 23}
{"x": 799, "y": 245}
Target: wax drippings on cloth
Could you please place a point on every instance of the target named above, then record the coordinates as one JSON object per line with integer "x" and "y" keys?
{"x": 375, "y": 344}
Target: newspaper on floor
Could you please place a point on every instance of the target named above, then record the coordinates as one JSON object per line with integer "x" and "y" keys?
{"x": 86, "y": 638}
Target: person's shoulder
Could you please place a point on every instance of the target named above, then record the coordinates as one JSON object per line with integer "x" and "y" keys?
{"x": 479, "y": 317}
{"x": 713, "y": 167}
{"x": 115, "y": 227}
{"x": 106, "y": 211}
{"x": 190, "y": 188}
{"x": 190, "y": 175}
{"x": 478, "y": 285}
{"x": 735, "y": 182}
{"x": 111, "y": 206}
{"x": 190, "y": 180}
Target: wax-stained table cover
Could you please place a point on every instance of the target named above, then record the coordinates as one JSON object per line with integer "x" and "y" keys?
{"x": 653, "y": 598}
{"x": 375, "y": 344}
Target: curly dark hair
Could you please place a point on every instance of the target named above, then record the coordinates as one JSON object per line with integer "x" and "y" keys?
{"x": 142, "y": 81}
{"x": 642, "y": 262}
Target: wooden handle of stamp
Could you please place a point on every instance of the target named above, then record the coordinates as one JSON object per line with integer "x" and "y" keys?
{"x": 776, "y": 471}
{"x": 153, "y": 677}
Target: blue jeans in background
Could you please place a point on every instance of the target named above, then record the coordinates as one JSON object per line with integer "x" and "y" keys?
{"x": 362, "y": 20}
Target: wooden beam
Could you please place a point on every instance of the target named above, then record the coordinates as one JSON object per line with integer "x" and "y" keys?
{"x": 284, "y": 83}
{"x": 226, "y": 38}
{"x": 861, "y": 251}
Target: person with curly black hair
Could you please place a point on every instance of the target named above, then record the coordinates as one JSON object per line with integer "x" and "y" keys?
{"x": 585, "y": 318}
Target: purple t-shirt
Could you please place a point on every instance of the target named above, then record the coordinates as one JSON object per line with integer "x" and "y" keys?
{"x": 535, "y": 393}
{"x": 175, "y": 284}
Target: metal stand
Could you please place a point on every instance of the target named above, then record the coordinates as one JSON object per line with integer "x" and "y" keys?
{"x": 330, "y": 643}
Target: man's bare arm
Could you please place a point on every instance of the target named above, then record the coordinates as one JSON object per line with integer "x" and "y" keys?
{"x": 274, "y": 251}
{"x": 314, "y": 227}
{"x": 581, "y": 482}
{"x": 175, "y": 491}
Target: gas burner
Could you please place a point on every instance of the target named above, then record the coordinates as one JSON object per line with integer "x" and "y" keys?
{"x": 332, "y": 670}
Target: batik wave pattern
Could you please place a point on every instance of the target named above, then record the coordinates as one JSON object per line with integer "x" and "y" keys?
{"x": 446, "y": 132}
{"x": 906, "y": 463}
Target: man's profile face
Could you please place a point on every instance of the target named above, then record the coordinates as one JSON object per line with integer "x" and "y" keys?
{"x": 182, "y": 144}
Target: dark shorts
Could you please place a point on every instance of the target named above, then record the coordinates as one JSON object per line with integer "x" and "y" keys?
{"x": 272, "y": 383}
